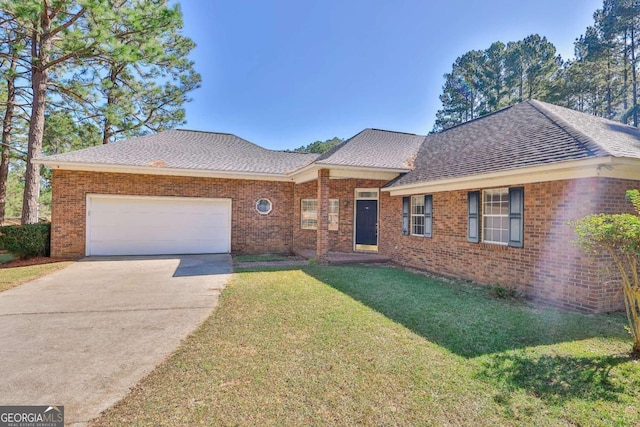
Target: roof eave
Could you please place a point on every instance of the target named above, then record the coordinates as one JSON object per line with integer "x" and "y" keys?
{"x": 360, "y": 168}
{"x": 309, "y": 173}
{"x": 612, "y": 167}
{"x": 152, "y": 170}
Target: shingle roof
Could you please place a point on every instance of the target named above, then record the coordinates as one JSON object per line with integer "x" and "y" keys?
{"x": 195, "y": 150}
{"x": 530, "y": 133}
{"x": 377, "y": 149}
{"x": 617, "y": 139}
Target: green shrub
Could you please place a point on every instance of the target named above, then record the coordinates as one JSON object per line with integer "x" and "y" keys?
{"x": 26, "y": 241}
{"x": 501, "y": 292}
{"x": 618, "y": 235}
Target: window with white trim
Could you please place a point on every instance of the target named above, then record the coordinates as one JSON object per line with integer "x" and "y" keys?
{"x": 417, "y": 215}
{"x": 334, "y": 214}
{"x": 309, "y": 214}
{"x": 495, "y": 216}
{"x": 264, "y": 206}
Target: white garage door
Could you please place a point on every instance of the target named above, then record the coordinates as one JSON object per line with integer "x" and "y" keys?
{"x": 130, "y": 225}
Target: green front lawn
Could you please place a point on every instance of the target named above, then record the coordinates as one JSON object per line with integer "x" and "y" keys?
{"x": 261, "y": 258}
{"x": 381, "y": 346}
{"x": 12, "y": 277}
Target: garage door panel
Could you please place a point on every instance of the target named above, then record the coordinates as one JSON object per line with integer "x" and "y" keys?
{"x": 160, "y": 247}
{"x": 147, "y": 226}
{"x": 156, "y": 234}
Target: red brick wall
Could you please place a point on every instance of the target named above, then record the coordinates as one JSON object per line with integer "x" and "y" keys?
{"x": 322, "y": 235}
{"x": 251, "y": 232}
{"x": 340, "y": 240}
{"x": 549, "y": 268}
{"x": 303, "y": 239}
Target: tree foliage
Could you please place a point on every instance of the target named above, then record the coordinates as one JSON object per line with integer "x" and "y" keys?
{"x": 320, "y": 147}
{"x": 601, "y": 80}
{"x": 120, "y": 66}
{"x": 145, "y": 76}
{"x": 618, "y": 236}
{"x": 484, "y": 81}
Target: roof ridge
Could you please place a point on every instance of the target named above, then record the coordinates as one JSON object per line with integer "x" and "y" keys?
{"x": 393, "y": 131}
{"x": 292, "y": 152}
{"x": 329, "y": 153}
{"x": 484, "y": 116}
{"x": 580, "y": 137}
{"x": 203, "y": 131}
{"x": 239, "y": 137}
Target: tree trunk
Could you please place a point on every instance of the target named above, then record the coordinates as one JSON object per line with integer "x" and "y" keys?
{"x": 521, "y": 87}
{"x": 634, "y": 83}
{"x": 36, "y": 133}
{"x": 7, "y": 124}
{"x": 41, "y": 45}
{"x": 106, "y": 132}
{"x": 625, "y": 86}
{"x": 609, "y": 91}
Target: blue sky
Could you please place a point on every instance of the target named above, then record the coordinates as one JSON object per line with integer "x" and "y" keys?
{"x": 284, "y": 73}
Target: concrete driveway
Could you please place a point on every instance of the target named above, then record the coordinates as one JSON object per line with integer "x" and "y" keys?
{"x": 83, "y": 336}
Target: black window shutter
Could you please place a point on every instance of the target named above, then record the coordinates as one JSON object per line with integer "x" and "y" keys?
{"x": 473, "y": 223}
{"x": 405, "y": 214}
{"x": 428, "y": 216}
{"x": 516, "y": 217}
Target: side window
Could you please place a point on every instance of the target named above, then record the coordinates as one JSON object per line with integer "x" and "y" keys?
{"x": 417, "y": 215}
{"x": 309, "y": 214}
{"x": 495, "y": 216}
{"x": 502, "y": 216}
{"x": 334, "y": 214}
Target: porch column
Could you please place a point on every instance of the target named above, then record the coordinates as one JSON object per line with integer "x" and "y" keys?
{"x": 322, "y": 241}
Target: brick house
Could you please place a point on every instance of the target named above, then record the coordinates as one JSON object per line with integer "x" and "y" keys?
{"x": 488, "y": 201}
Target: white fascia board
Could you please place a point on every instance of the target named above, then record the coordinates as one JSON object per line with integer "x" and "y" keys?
{"x": 299, "y": 176}
{"x": 359, "y": 174}
{"x": 361, "y": 168}
{"x": 148, "y": 170}
{"x": 306, "y": 174}
{"x": 310, "y": 173}
{"x": 610, "y": 167}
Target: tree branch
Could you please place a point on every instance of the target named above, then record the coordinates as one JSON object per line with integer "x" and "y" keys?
{"x": 69, "y": 23}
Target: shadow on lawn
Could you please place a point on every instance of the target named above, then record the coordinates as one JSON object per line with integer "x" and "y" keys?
{"x": 556, "y": 379}
{"x": 464, "y": 319}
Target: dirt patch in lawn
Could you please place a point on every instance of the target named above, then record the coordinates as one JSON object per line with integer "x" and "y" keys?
{"x": 33, "y": 261}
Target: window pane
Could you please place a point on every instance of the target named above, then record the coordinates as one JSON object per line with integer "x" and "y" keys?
{"x": 367, "y": 194}
{"x": 334, "y": 213}
{"x": 417, "y": 215}
{"x": 495, "y": 216}
{"x": 309, "y": 214}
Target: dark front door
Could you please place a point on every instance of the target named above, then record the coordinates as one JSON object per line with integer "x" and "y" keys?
{"x": 366, "y": 224}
